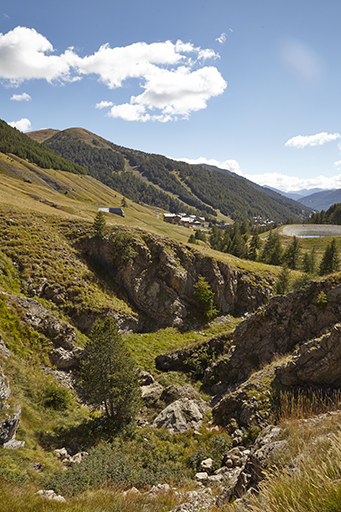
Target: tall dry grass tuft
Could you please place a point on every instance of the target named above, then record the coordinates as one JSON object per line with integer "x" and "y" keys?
{"x": 311, "y": 484}
{"x": 303, "y": 405}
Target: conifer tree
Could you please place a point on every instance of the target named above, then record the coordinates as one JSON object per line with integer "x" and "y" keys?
{"x": 107, "y": 373}
{"x": 272, "y": 251}
{"x": 292, "y": 253}
{"x": 309, "y": 262}
{"x": 283, "y": 281}
{"x": 99, "y": 226}
{"x": 330, "y": 260}
{"x": 205, "y": 297}
{"x": 255, "y": 244}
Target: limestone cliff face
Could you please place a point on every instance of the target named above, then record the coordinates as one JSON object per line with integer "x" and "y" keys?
{"x": 275, "y": 329}
{"x": 159, "y": 280}
{"x": 296, "y": 326}
{"x": 316, "y": 362}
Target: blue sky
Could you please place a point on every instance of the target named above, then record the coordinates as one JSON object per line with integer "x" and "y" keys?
{"x": 249, "y": 85}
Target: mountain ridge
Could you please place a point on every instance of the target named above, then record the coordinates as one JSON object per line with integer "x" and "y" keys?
{"x": 199, "y": 187}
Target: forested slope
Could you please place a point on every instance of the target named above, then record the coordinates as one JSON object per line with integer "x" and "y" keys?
{"x": 160, "y": 181}
{"x": 17, "y": 143}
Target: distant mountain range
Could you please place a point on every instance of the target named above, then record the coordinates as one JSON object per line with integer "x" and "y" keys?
{"x": 169, "y": 184}
{"x": 316, "y": 198}
{"x": 322, "y": 200}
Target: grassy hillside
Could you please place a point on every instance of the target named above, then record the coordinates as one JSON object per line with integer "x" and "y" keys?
{"x": 44, "y": 216}
{"x": 12, "y": 141}
{"x": 174, "y": 186}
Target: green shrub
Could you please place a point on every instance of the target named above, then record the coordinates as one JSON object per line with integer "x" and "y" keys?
{"x": 56, "y": 397}
{"x": 301, "y": 283}
{"x": 205, "y": 297}
{"x": 122, "y": 246}
{"x": 322, "y": 301}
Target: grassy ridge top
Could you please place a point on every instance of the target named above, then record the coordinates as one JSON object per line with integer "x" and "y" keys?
{"x": 12, "y": 141}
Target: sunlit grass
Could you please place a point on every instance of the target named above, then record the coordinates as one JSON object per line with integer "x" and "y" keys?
{"x": 145, "y": 347}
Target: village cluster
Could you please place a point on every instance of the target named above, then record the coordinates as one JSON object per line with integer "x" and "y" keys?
{"x": 182, "y": 219}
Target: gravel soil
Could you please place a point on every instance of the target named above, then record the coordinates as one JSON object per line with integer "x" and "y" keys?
{"x": 311, "y": 230}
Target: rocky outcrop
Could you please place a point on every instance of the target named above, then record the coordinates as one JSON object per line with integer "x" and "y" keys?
{"x": 42, "y": 320}
{"x": 278, "y": 334}
{"x": 159, "y": 279}
{"x": 182, "y": 415}
{"x": 68, "y": 457}
{"x": 8, "y": 427}
{"x": 9, "y": 421}
{"x": 317, "y": 362}
{"x": 49, "y": 494}
{"x": 196, "y": 501}
{"x": 5, "y": 390}
{"x": 275, "y": 329}
{"x": 65, "y": 354}
{"x": 4, "y": 350}
{"x": 251, "y": 464}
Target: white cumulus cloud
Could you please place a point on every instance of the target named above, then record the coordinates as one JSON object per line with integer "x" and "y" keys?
{"x": 24, "y": 125}
{"x": 171, "y": 76}
{"x": 104, "y": 104}
{"x": 174, "y": 93}
{"x": 25, "y": 55}
{"x": 301, "y": 141}
{"x": 21, "y": 97}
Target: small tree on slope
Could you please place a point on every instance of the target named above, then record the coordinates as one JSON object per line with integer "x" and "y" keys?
{"x": 107, "y": 373}
{"x": 205, "y": 296}
{"x": 99, "y": 226}
{"x": 330, "y": 260}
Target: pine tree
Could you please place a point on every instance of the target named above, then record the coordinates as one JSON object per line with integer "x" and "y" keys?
{"x": 283, "y": 281}
{"x": 292, "y": 253}
{"x": 99, "y": 226}
{"x": 330, "y": 260}
{"x": 255, "y": 244}
{"x": 272, "y": 251}
{"x": 309, "y": 262}
{"x": 205, "y": 297}
{"x": 107, "y": 373}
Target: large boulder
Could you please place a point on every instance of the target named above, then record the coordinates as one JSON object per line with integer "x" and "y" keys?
{"x": 182, "y": 415}
{"x": 65, "y": 359}
{"x": 9, "y": 426}
{"x": 172, "y": 393}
